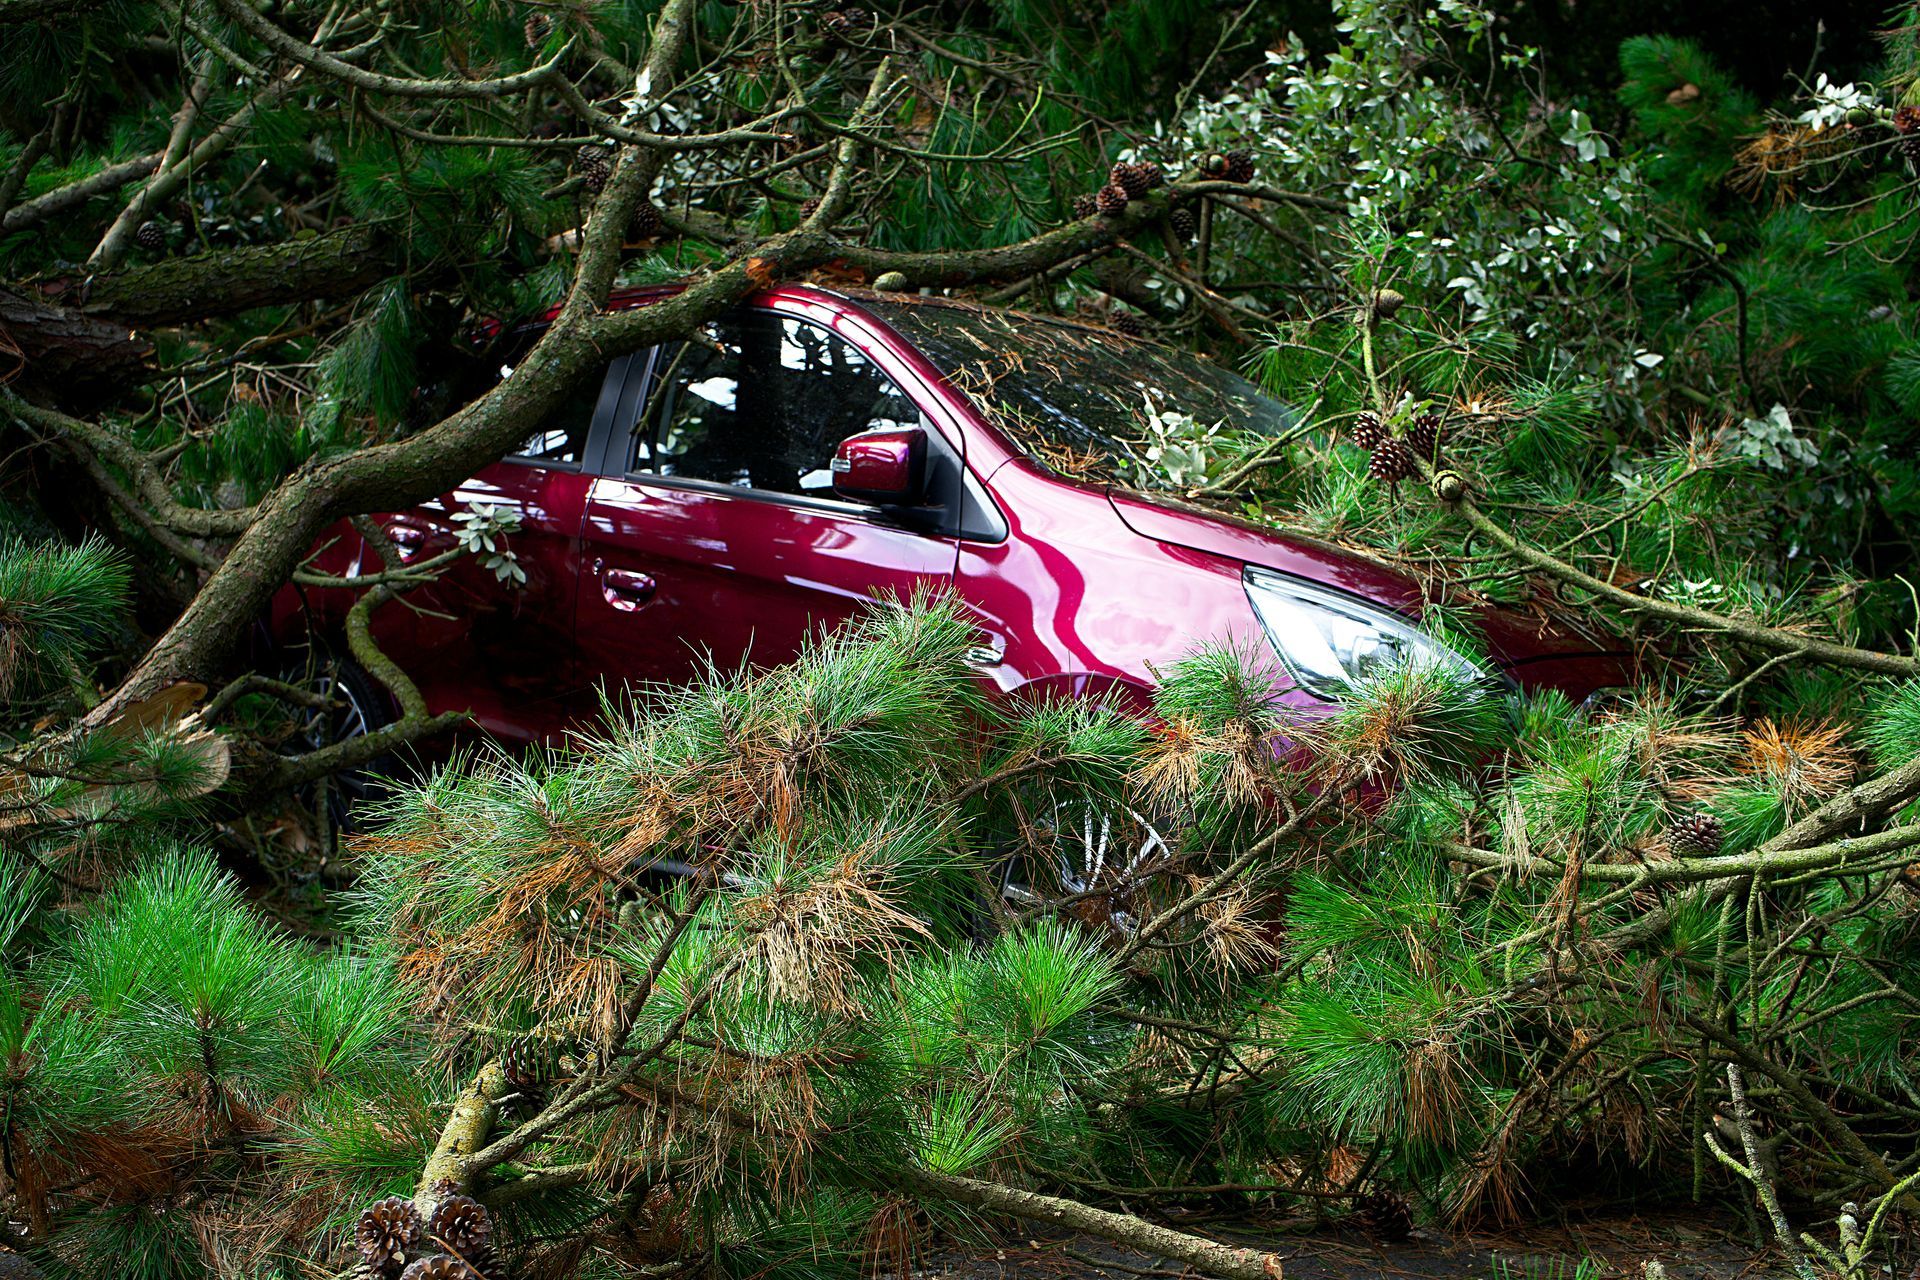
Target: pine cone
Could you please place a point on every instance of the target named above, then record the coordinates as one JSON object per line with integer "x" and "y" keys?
{"x": 1392, "y": 461}
{"x": 1185, "y": 225}
{"x": 1110, "y": 201}
{"x": 1697, "y": 833}
{"x": 150, "y": 235}
{"x": 386, "y": 1232}
{"x": 1906, "y": 122}
{"x": 1423, "y": 437}
{"x": 1387, "y": 303}
{"x": 1385, "y": 1215}
{"x": 1367, "y": 431}
{"x": 15, "y": 1267}
{"x": 441, "y": 1266}
{"x": 595, "y": 166}
{"x": 645, "y": 225}
{"x": 461, "y": 1224}
{"x": 1085, "y": 206}
{"x": 1136, "y": 179}
{"x": 531, "y": 1062}
{"x": 1128, "y": 323}
{"x": 1239, "y": 167}
{"x": 538, "y": 27}
{"x": 809, "y": 206}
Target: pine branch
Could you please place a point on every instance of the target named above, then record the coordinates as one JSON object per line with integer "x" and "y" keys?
{"x": 1207, "y": 1256}
{"x": 1858, "y": 855}
{"x": 193, "y": 288}
{"x": 120, "y": 231}
{"x": 31, "y": 213}
{"x": 337, "y": 68}
{"x": 1452, "y": 493}
{"x": 464, "y": 1133}
{"x": 148, "y": 482}
{"x": 171, "y": 175}
{"x": 1795, "y": 1086}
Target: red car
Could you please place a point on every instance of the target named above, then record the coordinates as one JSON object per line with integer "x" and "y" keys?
{"x": 718, "y": 499}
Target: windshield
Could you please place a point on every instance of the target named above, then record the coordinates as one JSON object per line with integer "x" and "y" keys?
{"x": 1086, "y": 402}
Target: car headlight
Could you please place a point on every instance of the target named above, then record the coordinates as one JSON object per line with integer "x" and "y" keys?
{"x": 1331, "y": 641}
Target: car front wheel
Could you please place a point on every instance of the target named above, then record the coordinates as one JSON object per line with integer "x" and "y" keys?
{"x": 355, "y": 706}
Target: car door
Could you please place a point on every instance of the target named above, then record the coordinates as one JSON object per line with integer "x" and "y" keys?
{"x": 716, "y": 536}
{"x": 489, "y": 642}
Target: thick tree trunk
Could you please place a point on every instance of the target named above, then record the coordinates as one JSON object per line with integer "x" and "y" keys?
{"x": 181, "y": 290}
{"x": 52, "y": 351}
{"x": 43, "y": 10}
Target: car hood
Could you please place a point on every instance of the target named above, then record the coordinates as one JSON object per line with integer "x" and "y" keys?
{"x": 1515, "y": 638}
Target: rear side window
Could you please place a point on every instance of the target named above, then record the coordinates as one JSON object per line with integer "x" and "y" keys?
{"x": 760, "y": 401}
{"x": 560, "y": 441}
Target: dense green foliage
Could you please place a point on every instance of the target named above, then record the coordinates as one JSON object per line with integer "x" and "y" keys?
{"x": 762, "y": 975}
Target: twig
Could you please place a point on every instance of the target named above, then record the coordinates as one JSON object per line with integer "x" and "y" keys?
{"x": 1754, "y": 1171}
{"x": 1198, "y": 1252}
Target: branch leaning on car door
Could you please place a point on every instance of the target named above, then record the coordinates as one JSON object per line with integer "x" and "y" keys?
{"x": 415, "y": 721}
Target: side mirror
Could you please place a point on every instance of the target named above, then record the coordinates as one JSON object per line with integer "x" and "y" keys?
{"x": 888, "y": 467}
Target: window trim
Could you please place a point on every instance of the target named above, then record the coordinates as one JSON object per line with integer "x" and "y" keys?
{"x": 544, "y": 464}
{"x": 613, "y": 380}
{"x": 610, "y": 458}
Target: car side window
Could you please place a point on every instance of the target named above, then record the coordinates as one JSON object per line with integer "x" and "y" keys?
{"x": 760, "y": 401}
{"x": 561, "y": 440}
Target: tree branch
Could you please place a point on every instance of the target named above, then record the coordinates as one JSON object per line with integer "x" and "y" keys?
{"x": 1771, "y": 639}
{"x": 29, "y": 213}
{"x": 1208, "y": 1256}
{"x": 206, "y": 286}
{"x": 335, "y": 68}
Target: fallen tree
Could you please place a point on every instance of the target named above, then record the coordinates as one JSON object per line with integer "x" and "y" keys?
{"x": 1576, "y": 937}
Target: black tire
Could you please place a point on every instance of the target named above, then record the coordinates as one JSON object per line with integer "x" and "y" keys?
{"x": 1082, "y": 865}
{"x": 357, "y": 706}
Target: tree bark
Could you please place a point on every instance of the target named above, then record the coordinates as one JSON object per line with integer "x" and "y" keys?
{"x": 43, "y": 10}
{"x": 208, "y": 285}
{"x": 464, "y": 1133}
{"x": 51, "y": 351}
{"x": 32, "y": 212}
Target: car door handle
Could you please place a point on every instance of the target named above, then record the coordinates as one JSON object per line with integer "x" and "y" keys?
{"x": 626, "y": 589}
